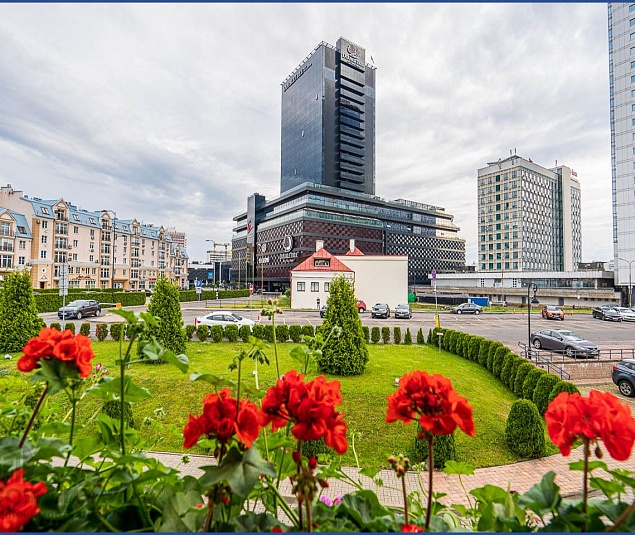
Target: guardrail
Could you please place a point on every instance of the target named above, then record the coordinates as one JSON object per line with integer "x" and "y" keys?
{"x": 544, "y": 360}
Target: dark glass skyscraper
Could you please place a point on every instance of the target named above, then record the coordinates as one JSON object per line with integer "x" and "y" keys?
{"x": 328, "y": 120}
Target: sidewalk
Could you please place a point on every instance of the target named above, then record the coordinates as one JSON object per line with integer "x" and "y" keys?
{"x": 519, "y": 477}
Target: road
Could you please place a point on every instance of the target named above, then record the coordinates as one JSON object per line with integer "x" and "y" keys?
{"x": 509, "y": 328}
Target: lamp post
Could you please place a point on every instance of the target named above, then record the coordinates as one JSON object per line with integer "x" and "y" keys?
{"x": 114, "y": 241}
{"x": 630, "y": 281}
{"x": 530, "y": 287}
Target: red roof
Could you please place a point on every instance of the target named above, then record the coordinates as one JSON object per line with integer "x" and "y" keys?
{"x": 322, "y": 254}
{"x": 354, "y": 252}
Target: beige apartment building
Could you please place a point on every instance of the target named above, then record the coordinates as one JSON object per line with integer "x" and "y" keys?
{"x": 101, "y": 250}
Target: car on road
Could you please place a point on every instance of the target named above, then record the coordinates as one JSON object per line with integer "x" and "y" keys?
{"x": 361, "y": 306}
{"x": 467, "y": 308}
{"x": 380, "y": 310}
{"x": 403, "y": 311}
{"x": 80, "y": 308}
{"x": 323, "y": 310}
{"x": 552, "y": 312}
{"x": 627, "y": 314}
{"x": 223, "y": 319}
{"x": 607, "y": 313}
{"x": 624, "y": 376}
{"x": 567, "y": 342}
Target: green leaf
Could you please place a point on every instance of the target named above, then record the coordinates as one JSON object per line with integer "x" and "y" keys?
{"x": 180, "y": 361}
{"x": 490, "y": 494}
{"x": 180, "y": 515}
{"x": 624, "y": 476}
{"x": 149, "y": 319}
{"x": 241, "y": 471}
{"x": 544, "y": 497}
{"x": 458, "y": 468}
{"x": 255, "y": 523}
{"x": 369, "y": 472}
{"x": 86, "y": 446}
{"x": 128, "y": 315}
{"x": 213, "y": 379}
{"x": 593, "y": 465}
{"x": 110, "y": 389}
{"x": 608, "y": 488}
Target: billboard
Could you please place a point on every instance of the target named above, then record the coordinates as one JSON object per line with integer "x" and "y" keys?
{"x": 251, "y": 221}
{"x": 351, "y": 53}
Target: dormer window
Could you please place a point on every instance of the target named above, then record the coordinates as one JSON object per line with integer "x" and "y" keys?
{"x": 92, "y": 220}
{"x": 45, "y": 210}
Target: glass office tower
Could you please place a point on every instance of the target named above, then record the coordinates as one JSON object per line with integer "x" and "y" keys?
{"x": 328, "y": 120}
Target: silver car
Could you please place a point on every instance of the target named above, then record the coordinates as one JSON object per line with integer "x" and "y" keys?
{"x": 223, "y": 319}
{"x": 627, "y": 314}
{"x": 403, "y": 311}
{"x": 568, "y": 342}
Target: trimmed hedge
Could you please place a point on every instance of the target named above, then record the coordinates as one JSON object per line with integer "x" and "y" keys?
{"x": 216, "y": 333}
{"x": 407, "y": 339}
{"x": 56, "y": 325}
{"x": 267, "y": 333}
{"x": 525, "y": 430}
{"x": 282, "y": 333}
{"x": 308, "y": 330}
{"x": 210, "y": 294}
{"x": 245, "y": 333}
{"x": 375, "y": 335}
{"x": 543, "y": 389}
{"x": 444, "y": 449}
{"x": 521, "y": 375}
{"x": 530, "y": 383}
{"x": 295, "y": 333}
{"x": 101, "y": 331}
{"x": 490, "y": 356}
{"x": 51, "y": 302}
{"x": 366, "y": 332}
{"x": 231, "y": 333}
{"x": 562, "y": 386}
{"x": 189, "y": 331}
{"x": 385, "y": 335}
{"x": 258, "y": 331}
{"x": 116, "y": 331}
{"x": 202, "y": 332}
{"x": 474, "y": 347}
{"x": 84, "y": 329}
{"x": 508, "y": 367}
{"x": 396, "y": 335}
{"x": 484, "y": 351}
{"x": 497, "y": 363}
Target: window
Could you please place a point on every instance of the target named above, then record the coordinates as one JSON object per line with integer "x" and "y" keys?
{"x": 631, "y": 8}
{"x": 75, "y": 230}
{"x": 44, "y": 238}
{"x": 21, "y": 260}
{"x": 42, "y": 254}
{"x": 301, "y": 286}
{"x": 45, "y": 210}
{"x": 22, "y": 245}
{"x": 327, "y": 285}
{"x": 315, "y": 286}
{"x": 76, "y": 218}
{"x": 92, "y": 220}
{"x": 633, "y": 36}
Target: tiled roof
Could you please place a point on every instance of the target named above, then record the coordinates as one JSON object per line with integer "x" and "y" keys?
{"x": 354, "y": 252}
{"x": 334, "y": 263}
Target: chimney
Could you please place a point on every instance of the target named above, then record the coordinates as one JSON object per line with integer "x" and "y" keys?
{"x": 351, "y": 246}
{"x": 319, "y": 244}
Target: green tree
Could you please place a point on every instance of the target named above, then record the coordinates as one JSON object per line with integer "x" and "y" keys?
{"x": 407, "y": 340}
{"x": 525, "y": 430}
{"x": 344, "y": 351}
{"x": 19, "y": 321}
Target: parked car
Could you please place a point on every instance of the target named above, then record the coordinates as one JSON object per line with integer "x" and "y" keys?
{"x": 361, "y": 306}
{"x": 568, "y": 342}
{"x": 322, "y": 311}
{"x": 552, "y": 312}
{"x": 607, "y": 312}
{"x": 467, "y": 308}
{"x": 403, "y": 311}
{"x": 223, "y": 319}
{"x": 624, "y": 376}
{"x": 380, "y": 310}
{"x": 80, "y": 308}
{"x": 627, "y": 314}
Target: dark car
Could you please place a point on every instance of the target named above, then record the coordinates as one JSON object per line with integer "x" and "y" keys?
{"x": 552, "y": 312}
{"x": 403, "y": 311}
{"x": 568, "y": 342}
{"x": 80, "y": 308}
{"x": 467, "y": 308}
{"x": 323, "y": 310}
{"x": 624, "y": 376}
{"x": 380, "y": 310}
{"x": 607, "y": 313}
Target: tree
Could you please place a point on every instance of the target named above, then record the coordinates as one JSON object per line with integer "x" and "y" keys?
{"x": 344, "y": 351}
{"x": 165, "y": 305}
{"x": 19, "y": 321}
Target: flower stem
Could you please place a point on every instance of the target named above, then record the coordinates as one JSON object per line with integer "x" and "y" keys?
{"x": 122, "y": 402}
{"x": 622, "y": 518}
{"x": 208, "y": 516}
{"x": 275, "y": 343}
{"x": 74, "y": 407}
{"x": 585, "y": 482}
{"x": 430, "y": 469}
{"x": 240, "y": 362}
{"x": 308, "y": 516}
{"x": 405, "y": 499}
{"x": 32, "y": 419}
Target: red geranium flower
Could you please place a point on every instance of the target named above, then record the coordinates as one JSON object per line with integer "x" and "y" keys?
{"x": 18, "y": 501}
{"x": 432, "y": 400}
{"x": 411, "y": 528}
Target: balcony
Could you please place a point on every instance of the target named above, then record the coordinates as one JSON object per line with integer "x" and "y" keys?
{"x": 6, "y": 248}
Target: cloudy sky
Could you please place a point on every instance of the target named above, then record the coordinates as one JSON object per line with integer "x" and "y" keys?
{"x": 171, "y": 113}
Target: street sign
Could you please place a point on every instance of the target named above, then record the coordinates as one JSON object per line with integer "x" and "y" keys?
{"x": 198, "y": 284}
{"x": 251, "y": 289}
{"x": 63, "y": 272}
{"x": 434, "y": 274}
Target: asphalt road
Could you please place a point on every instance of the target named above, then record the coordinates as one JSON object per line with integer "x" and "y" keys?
{"x": 509, "y": 328}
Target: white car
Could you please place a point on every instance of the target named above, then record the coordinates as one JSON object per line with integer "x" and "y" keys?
{"x": 626, "y": 313}
{"x": 223, "y": 319}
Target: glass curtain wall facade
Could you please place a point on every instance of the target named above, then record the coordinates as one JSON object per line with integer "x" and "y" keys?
{"x": 328, "y": 120}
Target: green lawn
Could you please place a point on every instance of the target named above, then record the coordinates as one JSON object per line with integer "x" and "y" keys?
{"x": 364, "y": 398}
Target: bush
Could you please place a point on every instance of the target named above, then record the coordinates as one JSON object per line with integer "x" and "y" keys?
{"x": 385, "y": 335}
{"x": 420, "y": 338}
{"x": 19, "y": 321}
{"x": 407, "y": 340}
{"x": 267, "y": 332}
{"x": 245, "y": 333}
{"x": 521, "y": 374}
{"x": 202, "y": 332}
{"x": 56, "y": 325}
{"x": 444, "y": 449}
{"x": 71, "y": 327}
{"x": 84, "y": 329}
{"x": 484, "y": 351}
{"x": 314, "y": 448}
{"x": 506, "y": 370}
{"x": 429, "y": 339}
{"x": 113, "y": 409}
{"x": 366, "y": 332}
{"x": 497, "y": 363}
{"x": 295, "y": 333}
{"x": 216, "y": 333}
{"x": 307, "y": 330}
{"x": 347, "y": 353}
{"x": 396, "y": 335}
{"x": 189, "y": 331}
{"x": 375, "y": 335}
{"x": 116, "y": 330}
{"x": 490, "y": 356}
{"x": 516, "y": 362}
{"x": 258, "y": 331}
{"x": 475, "y": 346}
{"x": 231, "y": 333}
{"x": 128, "y": 331}
{"x": 543, "y": 389}
{"x": 562, "y": 386}
{"x": 525, "y": 430}
{"x": 101, "y": 331}
{"x": 282, "y": 333}
{"x": 529, "y": 385}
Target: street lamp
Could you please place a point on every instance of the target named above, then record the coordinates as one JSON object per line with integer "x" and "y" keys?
{"x": 530, "y": 287}
{"x": 630, "y": 281}
{"x": 112, "y": 269}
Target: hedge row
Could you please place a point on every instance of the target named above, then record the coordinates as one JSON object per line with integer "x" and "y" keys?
{"x": 191, "y": 295}
{"x": 51, "y": 302}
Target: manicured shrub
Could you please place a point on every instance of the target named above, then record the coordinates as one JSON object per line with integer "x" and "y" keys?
{"x": 446, "y": 339}
{"x": 444, "y": 449}
{"x": 530, "y": 383}
{"x": 307, "y": 330}
{"x": 282, "y": 333}
{"x": 490, "y": 356}
{"x": 512, "y": 374}
{"x": 267, "y": 333}
{"x": 216, "y": 333}
{"x": 231, "y": 333}
{"x": 347, "y": 353}
{"x": 70, "y": 327}
{"x": 407, "y": 340}
{"x": 525, "y": 430}
{"x": 506, "y": 370}
{"x": 521, "y": 374}
{"x": 128, "y": 330}
{"x": 258, "y": 331}
{"x": 497, "y": 363}
{"x": 189, "y": 331}
{"x": 202, "y": 332}
{"x": 385, "y": 335}
{"x": 465, "y": 345}
{"x": 396, "y": 335}
{"x": 543, "y": 389}
{"x": 245, "y": 333}
{"x": 562, "y": 386}
{"x": 295, "y": 333}
{"x": 421, "y": 339}
{"x": 375, "y": 335}
{"x": 366, "y": 332}
{"x": 19, "y": 320}
{"x": 56, "y": 325}
{"x": 428, "y": 339}
{"x": 113, "y": 409}
{"x": 475, "y": 346}
{"x": 434, "y": 339}
{"x": 484, "y": 351}
{"x": 116, "y": 330}
{"x": 314, "y": 448}
{"x": 101, "y": 331}
{"x": 84, "y": 329}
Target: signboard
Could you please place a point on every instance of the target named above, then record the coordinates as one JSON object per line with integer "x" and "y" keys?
{"x": 210, "y": 273}
{"x": 251, "y": 221}
{"x": 198, "y": 283}
{"x": 434, "y": 274}
{"x": 251, "y": 289}
{"x": 63, "y": 279}
{"x": 351, "y": 53}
